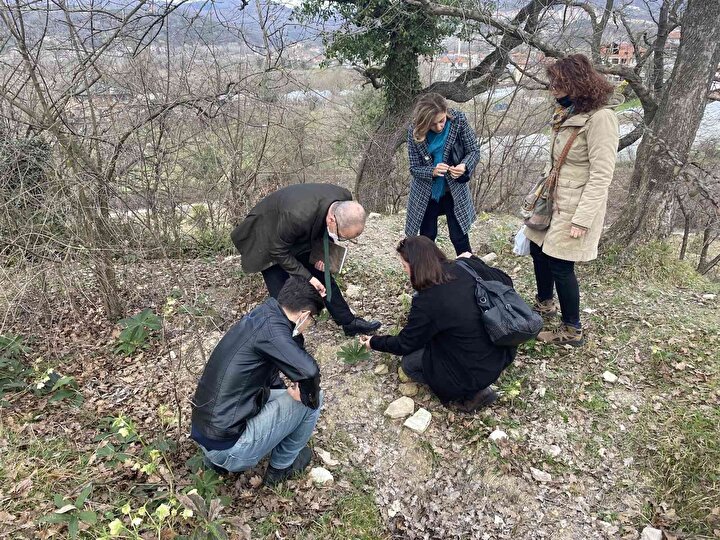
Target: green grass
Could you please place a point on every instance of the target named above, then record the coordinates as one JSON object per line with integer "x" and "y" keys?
{"x": 631, "y": 104}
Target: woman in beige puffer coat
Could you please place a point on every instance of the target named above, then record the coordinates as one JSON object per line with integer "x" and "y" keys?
{"x": 583, "y": 97}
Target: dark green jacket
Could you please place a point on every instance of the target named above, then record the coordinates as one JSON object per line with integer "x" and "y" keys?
{"x": 284, "y": 224}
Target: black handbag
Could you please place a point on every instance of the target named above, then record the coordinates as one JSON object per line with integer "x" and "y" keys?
{"x": 508, "y": 320}
{"x": 457, "y": 153}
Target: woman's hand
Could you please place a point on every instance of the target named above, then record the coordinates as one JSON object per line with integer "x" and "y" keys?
{"x": 365, "y": 342}
{"x": 320, "y": 265}
{"x": 440, "y": 169}
{"x": 457, "y": 171}
{"x": 577, "y": 232}
{"x": 465, "y": 255}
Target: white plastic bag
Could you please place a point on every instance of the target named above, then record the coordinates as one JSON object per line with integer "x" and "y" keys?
{"x": 522, "y": 244}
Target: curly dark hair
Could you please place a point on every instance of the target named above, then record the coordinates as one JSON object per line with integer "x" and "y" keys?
{"x": 575, "y": 75}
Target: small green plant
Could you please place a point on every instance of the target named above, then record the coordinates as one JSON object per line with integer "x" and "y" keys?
{"x": 72, "y": 512}
{"x": 136, "y": 331}
{"x": 58, "y": 387}
{"x": 353, "y": 352}
{"x": 13, "y": 371}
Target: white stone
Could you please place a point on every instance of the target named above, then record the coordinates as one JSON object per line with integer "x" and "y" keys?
{"x": 490, "y": 257}
{"x": 321, "y": 476}
{"x": 540, "y": 476}
{"x": 408, "y": 389}
{"x": 610, "y": 377}
{"x": 498, "y": 435}
{"x": 419, "y": 421}
{"x": 353, "y": 291}
{"x": 381, "y": 369}
{"x": 373, "y": 215}
{"x": 553, "y": 450}
{"x": 540, "y": 391}
{"x": 400, "y": 408}
{"x": 651, "y": 533}
{"x": 394, "y": 509}
{"x": 709, "y": 296}
{"x": 327, "y": 459}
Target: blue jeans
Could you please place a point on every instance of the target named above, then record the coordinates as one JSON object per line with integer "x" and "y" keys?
{"x": 282, "y": 428}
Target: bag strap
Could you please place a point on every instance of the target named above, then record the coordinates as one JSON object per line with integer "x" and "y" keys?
{"x": 469, "y": 269}
{"x": 555, "y": 172}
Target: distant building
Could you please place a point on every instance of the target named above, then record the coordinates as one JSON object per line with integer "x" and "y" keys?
{"x": 619, "y": 53}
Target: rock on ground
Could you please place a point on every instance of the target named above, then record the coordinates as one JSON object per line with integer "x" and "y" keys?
{"x": 408, "y": 389}
{"x": 651, "y": 533}
{"x": 419, "y": 421}
{"x": 400, "y": 408}
{"x": 321, "y": 476}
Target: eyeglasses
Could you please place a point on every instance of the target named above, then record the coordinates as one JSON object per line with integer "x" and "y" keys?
{"x": 341, "y": 238}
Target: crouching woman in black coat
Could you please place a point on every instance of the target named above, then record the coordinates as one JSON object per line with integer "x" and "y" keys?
{"x": 444, "y": 343}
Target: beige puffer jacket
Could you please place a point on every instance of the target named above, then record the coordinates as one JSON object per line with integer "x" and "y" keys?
{"x": 582, "y": 188}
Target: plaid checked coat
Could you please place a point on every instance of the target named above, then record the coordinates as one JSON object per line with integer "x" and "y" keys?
{"x": 421, "y": 166}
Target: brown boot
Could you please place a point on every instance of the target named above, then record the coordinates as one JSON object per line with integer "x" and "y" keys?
{"x": 546, "y": 309}
{"x": 563, "y": 335}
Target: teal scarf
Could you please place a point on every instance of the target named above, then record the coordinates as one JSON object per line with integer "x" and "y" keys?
{"x": 436, "y": 148}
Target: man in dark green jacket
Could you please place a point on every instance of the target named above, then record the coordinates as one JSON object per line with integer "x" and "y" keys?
{"x": 278, "y": 234}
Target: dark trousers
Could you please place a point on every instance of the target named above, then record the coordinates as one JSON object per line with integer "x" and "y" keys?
{"x": 550, "y": 271}
{"x": 445, "y": 206}
{"x": 412, "y": 365}
{"x": 275, "y": 277}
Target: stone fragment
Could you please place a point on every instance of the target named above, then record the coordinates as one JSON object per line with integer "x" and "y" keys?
{"x": 498, "y": 435}
{"x": 373, "y": 215}
{"x": 419, "y": 421}
{"x": 403, "y": 377}
{"x": 353, "y": 291}
{"x": 400, "y": 408}
{"x": 327, "y": 459}
{"x": 540, "y": 476}
{"x": 490, "y": 257}
{"x": 381, "y": 369}
{"x": 610, "y": 377}
{"x": 651, "y": 533}
{"x": 321, "y": 476}
{"x": 408, "y": 389}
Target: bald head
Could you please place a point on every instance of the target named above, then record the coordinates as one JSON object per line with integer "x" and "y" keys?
{"x": 347, "y": 218}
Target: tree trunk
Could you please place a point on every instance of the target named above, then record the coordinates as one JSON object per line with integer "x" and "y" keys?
{"x": 665, "y": 146}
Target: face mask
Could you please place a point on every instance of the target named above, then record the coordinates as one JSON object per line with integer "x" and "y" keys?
{"x": 333, "y": 236}
{"x": 564, "y": 101}
{"x": 298, "y": 324}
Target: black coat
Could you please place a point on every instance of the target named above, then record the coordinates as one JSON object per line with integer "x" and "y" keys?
{"x": 236, "y": 381}
{"x": 284, "y": 224}
{"x": 459, "y": 358}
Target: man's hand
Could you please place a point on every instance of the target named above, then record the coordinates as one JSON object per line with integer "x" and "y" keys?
{"x": 457, "y": 171}
{"x": 315, "y": 282}
{"x": 440, "y": 169}
{"x": 294, "y": 391}
{"x": 365, "y": 342}
{"x": 320, "y": 265}
{"x": 577, "y": 232}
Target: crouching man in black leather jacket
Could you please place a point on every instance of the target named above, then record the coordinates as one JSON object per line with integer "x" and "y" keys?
{"x": 237, "y": 418}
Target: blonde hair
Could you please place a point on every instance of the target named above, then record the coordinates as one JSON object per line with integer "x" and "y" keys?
{"x": 426, "y": 109}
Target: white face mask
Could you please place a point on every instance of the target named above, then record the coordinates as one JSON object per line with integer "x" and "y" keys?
{"x": 298, "y": 324}
{"x": 333, "y": 236}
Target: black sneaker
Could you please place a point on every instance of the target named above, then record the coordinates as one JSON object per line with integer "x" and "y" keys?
{"x": 274, "y": 476}
{"x": 361, "y": 326}
{"x": 484, "y": 398}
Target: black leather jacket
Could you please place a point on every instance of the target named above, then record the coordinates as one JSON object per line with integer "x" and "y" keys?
{"x": 244, "y": 365}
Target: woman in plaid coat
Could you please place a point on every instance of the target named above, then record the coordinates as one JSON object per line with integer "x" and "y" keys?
{"x": 439, "y": 185}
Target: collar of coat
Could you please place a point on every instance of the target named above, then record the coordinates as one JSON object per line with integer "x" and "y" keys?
{"x": 580, "y": 119}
